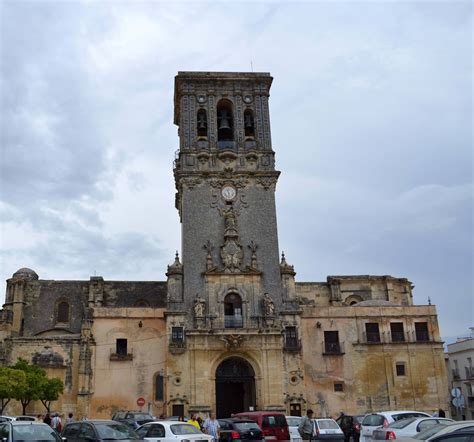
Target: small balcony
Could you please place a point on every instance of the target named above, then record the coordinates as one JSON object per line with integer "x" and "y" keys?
{"x": 233, "y": 321}
{"x": 469, "y": 372}
{"x": 456, "y": 373}
{"x": 333, "y": 348}
{"x": 292, "y": 345}
{"x": 120, "y": 356}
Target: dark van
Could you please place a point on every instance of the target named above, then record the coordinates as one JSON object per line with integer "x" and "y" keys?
{"x": 272, "y": 423}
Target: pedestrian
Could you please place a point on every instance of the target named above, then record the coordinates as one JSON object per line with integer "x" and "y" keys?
{"x": 56, "y": 423}
{"x": 305, "y": 428}
{"x": 47, "y": 419}
{"x": 70, "y": 418}
{"x": 435, "y": 413}
{"x": 441, "y": 413}
{"x": 193, "y": 421}
{"x": 212, "y": 427}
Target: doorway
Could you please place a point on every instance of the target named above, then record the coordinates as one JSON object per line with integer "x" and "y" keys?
{"x": 235, "y": 387}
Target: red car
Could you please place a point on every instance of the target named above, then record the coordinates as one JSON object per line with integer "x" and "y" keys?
{"x": 272, "y": 423}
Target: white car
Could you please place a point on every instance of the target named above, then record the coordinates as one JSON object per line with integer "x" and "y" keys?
{"x": 171, "y": 431}
{"x": 408, "y": 427}
{"x": 17, "y": 418}
{"x": 293, "y": 422}
{"x": 440, "y": 432}
{"x": 373, "y": 421}
{"x": 326, "y": 429}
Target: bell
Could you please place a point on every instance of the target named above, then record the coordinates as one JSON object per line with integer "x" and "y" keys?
{"x": 248, "y": 121}
{"x": 202, "y": 124}
{"x": 224, "y": 122}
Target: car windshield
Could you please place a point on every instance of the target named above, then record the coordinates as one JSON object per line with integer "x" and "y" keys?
{"x": 115, "y": 431}
{"x": 327, "y": 424}
{"x": 244, "y": 426}
{"x": 180, "y": 429}
{"x": 431, "y": 431}
{"x": 293, "y": 421}
{"x": 141, "y": 417}
{"x": 34, "y": 432}
{"x": 403, "y": 423}
{"x": 373, "y": 420}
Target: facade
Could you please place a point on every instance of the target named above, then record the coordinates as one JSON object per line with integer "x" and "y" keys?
{"x": 230, "y": 329}
{"x": 461, "y": 377}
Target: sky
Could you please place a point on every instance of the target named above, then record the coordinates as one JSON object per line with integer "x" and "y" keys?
{"x": 371, "y": 114}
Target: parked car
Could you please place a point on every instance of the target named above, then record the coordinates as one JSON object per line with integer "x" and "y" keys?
{"x": 239, "y": 429}
{"x": 272, "y": 423}
{"x": 373, "y": 421}
{"x": 171, "y": 431}
{"x": 350, "y": 425}
{"x": 408, "y": 427}
{"x": 132, "y": 418}
{"x": 17, "y": 418}
{"x": 293, "y": 422}
{"x": 326, "y": 429}
{"x": 13, "y": 431}
{"x": 439, "y": 431}
{"x": 98, "y": 431}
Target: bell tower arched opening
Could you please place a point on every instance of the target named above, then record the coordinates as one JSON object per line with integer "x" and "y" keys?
{"x": 235, "y": 387}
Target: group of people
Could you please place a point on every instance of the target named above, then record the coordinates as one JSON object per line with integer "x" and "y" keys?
{"x": 209, "y": 426}
{"x": 55, "y": 422}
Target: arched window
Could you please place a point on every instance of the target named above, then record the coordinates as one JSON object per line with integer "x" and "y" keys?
{"x": 159, "y": 387}
{"x": 202, "y": 123}
{"x": 63, "y": 312}
{"x": 233, "y": 311}
{"x": 142, "y": 303}
{"x": 249, "y": 124}
{"x": 225, "y": 121}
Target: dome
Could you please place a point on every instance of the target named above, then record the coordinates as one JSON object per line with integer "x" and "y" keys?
{"x": 25, "y": 273}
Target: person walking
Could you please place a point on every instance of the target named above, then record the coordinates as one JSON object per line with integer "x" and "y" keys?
{"x": 305, "y": 428}
{"x": 70, "y": 418}
{"x": 56, "y": 423}
{"x": 47, "y": 419}
{"x": 212, "y": 427}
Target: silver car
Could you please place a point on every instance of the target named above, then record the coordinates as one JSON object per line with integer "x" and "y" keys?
{"x": 408, "y": 427}
{"x": 373, "y": 421}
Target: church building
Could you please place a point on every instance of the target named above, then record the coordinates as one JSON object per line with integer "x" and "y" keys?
{"x": 230, "y": 329}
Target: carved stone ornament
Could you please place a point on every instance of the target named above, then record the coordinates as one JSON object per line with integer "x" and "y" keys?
{"x": 190, "y": 182}
{"x": 233, "y": 341}
{"x": 209, "y": 261}
{"x": 267, "y": 182}
{"x": 231, "y": 251}
{"x": 253, "y": 249}
{"x": 268, "y": 305}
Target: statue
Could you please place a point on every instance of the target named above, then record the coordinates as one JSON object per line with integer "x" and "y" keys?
{"x": 268, "y": 305}
{"x": 199, "y": 307}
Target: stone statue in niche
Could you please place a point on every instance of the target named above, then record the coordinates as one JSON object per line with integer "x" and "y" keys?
{"x": 199, "y": 307}
{"x": 268, "y": 305}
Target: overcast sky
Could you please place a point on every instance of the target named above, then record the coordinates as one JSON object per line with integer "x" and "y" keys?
{"x": 371, "y": 112}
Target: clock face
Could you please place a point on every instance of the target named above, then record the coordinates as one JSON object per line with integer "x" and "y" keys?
{"x": 228, "y": 193}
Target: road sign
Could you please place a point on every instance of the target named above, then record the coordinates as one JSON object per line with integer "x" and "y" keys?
{"x": 141, "y": 401}
{"x": 455, "y": 392}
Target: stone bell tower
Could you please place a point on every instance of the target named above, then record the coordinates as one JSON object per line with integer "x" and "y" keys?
{"x": 228, "y": 287}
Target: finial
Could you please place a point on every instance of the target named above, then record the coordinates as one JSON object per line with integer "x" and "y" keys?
{"x": 283, "y": 259}
{"x": 429, "y": 300}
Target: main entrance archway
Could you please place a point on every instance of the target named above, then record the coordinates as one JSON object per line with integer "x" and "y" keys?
{"x": 235, "y": 387}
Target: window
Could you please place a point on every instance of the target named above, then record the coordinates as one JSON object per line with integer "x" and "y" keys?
{"x": 156, "y": 430}
{"x": 177, "y": 334}
{"x": 338, "y": 386}
{"x": 396, "y": 330}
{"x": 233, "y": 311}
{"x": 372, "y": 332}
{"x": 291, "y": 337}
{"x": 159, "y": 384}
{"x": 249, "y": 124}
{"x": 225, "y": 129}
{"x": 331, "y": 342}
{"x": 63, "y": 312}
{"x": 202, "y": 123}
{"x": 421, "y": 331}
{"x": 400, "y": 368}
{"x": 121, "y": 347}
{"x": 142, "y": 303}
